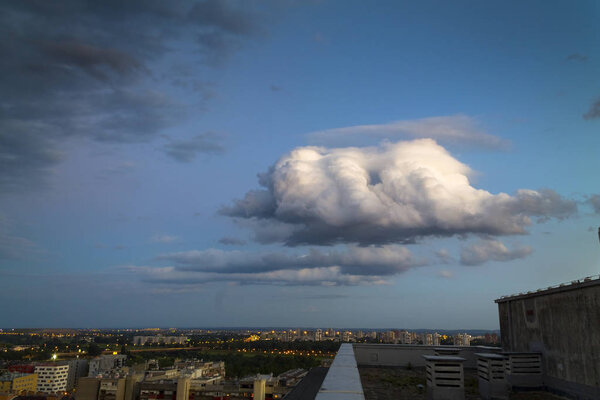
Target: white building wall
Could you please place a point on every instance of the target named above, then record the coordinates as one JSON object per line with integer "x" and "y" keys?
{"x": 52, "y": 378}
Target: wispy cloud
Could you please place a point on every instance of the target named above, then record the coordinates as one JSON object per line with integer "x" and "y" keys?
{"x": 121, "y": 168}
{"x": 445, "y": 273}
{"x": 334, "y": 267}
{"x": 11, "y": 246}
{"x": 318, "y": 37}
{"x": 165, "y": 238}
{"x": 594, "y": 202}
{"x": 577, "y": 57}
{"x": 186, "y": 150}
{"x": 594, "y": 111}
{"x": 454, "y": 129}
{"x": 325, "y": 276}
{"x": 444, "y": 256}
{"x": 483, "y": 251}
{"x": 231, "y": 241}
{"x": 384, "y": 260}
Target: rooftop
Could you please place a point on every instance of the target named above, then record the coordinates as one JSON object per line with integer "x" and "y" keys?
{"x": 396, "y": 372}
{"x": 400, "y": 383}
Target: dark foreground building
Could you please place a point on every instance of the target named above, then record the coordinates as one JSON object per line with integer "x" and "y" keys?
{"x": 562, "y": 323}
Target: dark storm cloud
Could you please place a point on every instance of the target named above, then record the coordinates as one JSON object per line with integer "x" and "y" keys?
{"x": 396, "y": 193}
{"x": 594, "y": 111}
{"x": 86, "y": 69}
{"x": 186, "y": 150}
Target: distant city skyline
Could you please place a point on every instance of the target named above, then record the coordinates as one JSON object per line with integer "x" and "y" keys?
{"x": 310, "y": 164}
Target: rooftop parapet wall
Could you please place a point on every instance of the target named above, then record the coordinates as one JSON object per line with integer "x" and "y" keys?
{"x": 343, "y": 380}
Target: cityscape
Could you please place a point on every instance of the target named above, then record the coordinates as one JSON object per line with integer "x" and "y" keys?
{"x": 299, "y": 200}
{"x": 95, "y": 363}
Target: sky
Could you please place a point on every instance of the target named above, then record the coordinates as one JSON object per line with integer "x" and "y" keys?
{"x": 210, "y": 163}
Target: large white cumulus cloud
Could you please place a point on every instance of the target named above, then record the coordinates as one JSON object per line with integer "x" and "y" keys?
{"x": 397, "y": 192}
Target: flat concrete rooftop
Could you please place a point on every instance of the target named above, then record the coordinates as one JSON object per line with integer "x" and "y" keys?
{"x": 345, "y": 380}
{"x": 400, "y": 383}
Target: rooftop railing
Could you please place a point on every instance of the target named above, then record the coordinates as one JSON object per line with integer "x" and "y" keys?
{"x": 559, "y": 286}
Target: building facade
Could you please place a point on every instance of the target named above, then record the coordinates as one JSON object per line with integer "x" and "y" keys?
{"x": 462, "y": 339}
{"x": 318, "y": 335}
{"x": 562, "y": 324}
{"x": 52, "y": 378}
{"x": 106, "y": 363}
{"x": 16, "y": 382}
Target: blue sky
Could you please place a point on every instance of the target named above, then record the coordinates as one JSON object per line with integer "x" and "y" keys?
{"x": 325, "y": 163}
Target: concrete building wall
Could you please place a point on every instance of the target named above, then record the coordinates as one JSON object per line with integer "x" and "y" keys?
{"x": 123, "y": 388}
{"x": 563, "y": 324}
{"x": 77, "y": 369}
{"x": 183, "y": 389}
{"x": 259, "y": 389}
{"x": 132, "y": 383}
{"x": 87, "y": 389}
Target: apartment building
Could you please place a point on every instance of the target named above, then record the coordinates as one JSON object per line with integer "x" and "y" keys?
{"x": 52, "y": 378}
